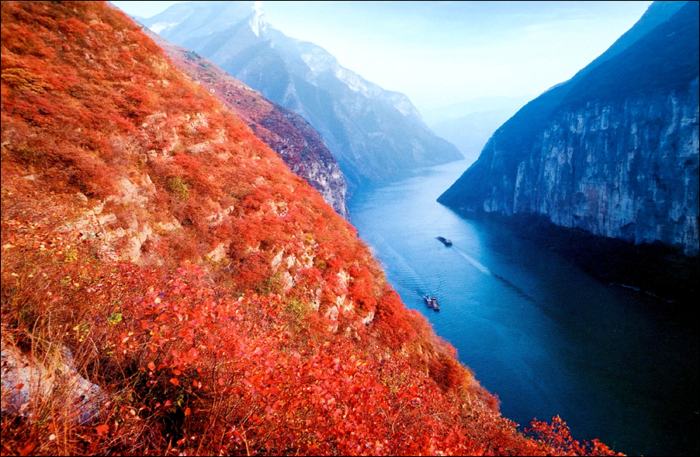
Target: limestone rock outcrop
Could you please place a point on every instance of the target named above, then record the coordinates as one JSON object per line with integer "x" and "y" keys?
{"x": 27, "y": 383}
{"x": 614, "y": 150}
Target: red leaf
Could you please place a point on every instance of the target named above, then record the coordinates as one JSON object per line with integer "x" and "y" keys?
{"x": 102, "y": 429}
{"x": 174, "y": 381}
{"x": 188, "y": 411}
{"x": 26, "y": 450}
{"x": 151, "y": 366}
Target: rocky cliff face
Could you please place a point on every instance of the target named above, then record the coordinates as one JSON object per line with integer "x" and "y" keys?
{"x": 624, "y": 170}
{"x": 284, "y": 131}
{"x": 613, "y": 151}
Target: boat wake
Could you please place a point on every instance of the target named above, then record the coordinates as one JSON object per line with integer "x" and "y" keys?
{"x": 475, "y": 263}
{"x": 479, "y": 266}
{"x": 514, "y": 288}
{"x": 405, "y": 275}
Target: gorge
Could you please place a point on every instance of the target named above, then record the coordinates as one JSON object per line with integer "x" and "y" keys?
{"x": 536, "y": 328}
{"x": 374, "y": 134}
{"x": 198, "y": 262}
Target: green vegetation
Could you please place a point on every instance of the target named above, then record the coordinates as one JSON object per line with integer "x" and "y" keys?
{"x": 179, "y": 188}
{"x": 663, "y": 61}
{"x": 191, "y": 55}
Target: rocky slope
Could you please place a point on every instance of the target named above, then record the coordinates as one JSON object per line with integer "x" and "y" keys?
{"x": 613, "y": 151}
{"x": 373, "y": 133}
{"x": 284, "y": 131}
{"x": 175, "y": 289}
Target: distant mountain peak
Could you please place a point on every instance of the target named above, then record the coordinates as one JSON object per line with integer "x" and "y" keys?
{"x": 257, "y": 21}
{"x": 160, "y": 27}
{"x": 374, "y": 134}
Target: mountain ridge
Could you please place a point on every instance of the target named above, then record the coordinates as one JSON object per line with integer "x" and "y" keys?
{"x": 373, "y": 138}
{"x": 286, "y": 133}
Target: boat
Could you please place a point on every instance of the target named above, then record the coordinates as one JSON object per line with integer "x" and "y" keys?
{"x": 445, "y": 241}
{"x": 432, "y": 302}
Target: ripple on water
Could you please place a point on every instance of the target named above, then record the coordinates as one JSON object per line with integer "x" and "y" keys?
{"x": 544, "y": 336}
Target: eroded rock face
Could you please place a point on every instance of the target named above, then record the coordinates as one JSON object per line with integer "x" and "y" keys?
{"x": 28, "y": 383}
{"x": 614, "y": 150}
{"x": 625, "y": 170}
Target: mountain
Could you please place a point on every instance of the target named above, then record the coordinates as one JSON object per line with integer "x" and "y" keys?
{"x": 282, "y": 130}
{"x": 614, "y": 150}
{"x": 169, "y": 286}
{"x": 471, "y": 131}
{"x": 469, "y": 124}
{"x": 374, "y": 134}
{"x": 477, "y": 105}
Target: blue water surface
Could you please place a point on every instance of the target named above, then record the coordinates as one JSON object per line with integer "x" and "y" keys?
{"x": 543, "y": 335}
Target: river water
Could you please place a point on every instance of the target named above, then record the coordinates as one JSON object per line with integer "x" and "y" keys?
{"x": 543, "y": 335}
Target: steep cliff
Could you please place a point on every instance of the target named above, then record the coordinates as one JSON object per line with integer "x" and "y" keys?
{"x": 284, "y": 131}
{"x": 624, "y": 170}
{"x": 613, "y": 151}
{"x": 374, "y": 134}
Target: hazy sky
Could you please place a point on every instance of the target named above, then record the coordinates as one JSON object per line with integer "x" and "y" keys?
{"x": 439, "y": 53}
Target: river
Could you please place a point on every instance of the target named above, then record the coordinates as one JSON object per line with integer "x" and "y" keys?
{"x": 543, "y": 335}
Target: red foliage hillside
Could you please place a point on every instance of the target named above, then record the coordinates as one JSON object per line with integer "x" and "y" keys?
{"x": 283, "y": 130}
{"x": 221, "y": 305}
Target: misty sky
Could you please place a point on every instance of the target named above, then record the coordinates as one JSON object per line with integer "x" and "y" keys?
{"x": 439, "y": 53}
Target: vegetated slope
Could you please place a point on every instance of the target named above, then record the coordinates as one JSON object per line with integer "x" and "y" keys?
{"x": 284, "y": 131}
{"x": 220, "y": 304}
{"x": 374, "y": 134}
{"x": 614, "y": 150}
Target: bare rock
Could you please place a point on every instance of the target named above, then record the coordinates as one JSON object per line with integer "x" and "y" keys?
{"x": 219, "y": 253}
{"x": 80, "y": 197}
{"x": 28, "y": 383}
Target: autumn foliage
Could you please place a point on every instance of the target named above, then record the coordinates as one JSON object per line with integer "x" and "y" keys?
{"x": 285, "y": 132}
{"x": 222, "y": 306}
